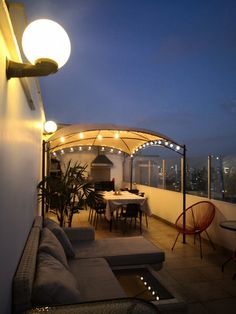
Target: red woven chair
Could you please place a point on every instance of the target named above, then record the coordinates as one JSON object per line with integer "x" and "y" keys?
{"x": 199, "y": 216}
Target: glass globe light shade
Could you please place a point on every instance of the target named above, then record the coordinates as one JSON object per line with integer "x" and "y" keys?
{"x": 50, "y": 126}
{"x": 46, "y": 39}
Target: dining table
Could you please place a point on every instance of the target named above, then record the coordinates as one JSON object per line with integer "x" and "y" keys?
{"x": 115, "y": 200}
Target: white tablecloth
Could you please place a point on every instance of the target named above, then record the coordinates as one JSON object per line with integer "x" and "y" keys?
{"x": 113, "y": 201}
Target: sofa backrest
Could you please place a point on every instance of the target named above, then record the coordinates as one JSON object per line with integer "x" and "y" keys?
{"x": 24, "y": 276}
{"x": 38, "y": 222}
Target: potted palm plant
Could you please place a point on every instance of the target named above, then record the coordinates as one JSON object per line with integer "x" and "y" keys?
{"x": 68, "y": 192}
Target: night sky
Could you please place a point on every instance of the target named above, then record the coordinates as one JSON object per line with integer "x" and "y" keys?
{"x": 168, "y": 66}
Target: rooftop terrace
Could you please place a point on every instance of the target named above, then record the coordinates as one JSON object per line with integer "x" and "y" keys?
{"x": 200, "y": 282}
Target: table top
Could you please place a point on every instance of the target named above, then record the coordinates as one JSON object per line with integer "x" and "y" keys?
{"x": 228, "y": 224}
{"x": 124, "y": 195}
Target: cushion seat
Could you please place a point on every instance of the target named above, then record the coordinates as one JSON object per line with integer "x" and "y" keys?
{"x": 95, "y": 279}
{"x": 47, "y": 275}
{"x": 120, "y": 252}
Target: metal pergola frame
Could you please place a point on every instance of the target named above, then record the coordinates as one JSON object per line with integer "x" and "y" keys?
{"x": 121, "y": 138}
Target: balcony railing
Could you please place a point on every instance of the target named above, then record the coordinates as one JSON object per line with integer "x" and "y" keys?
{"x": 213, "y": 177}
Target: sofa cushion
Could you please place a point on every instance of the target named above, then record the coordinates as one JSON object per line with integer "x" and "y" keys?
{"x": 51, "y": 245}
{"x": 61, "y": 235}
{"x": 86, "y": 233}
{"x": 54, "y": 284}
{"x": 121, "y": 251}
{"x": 38, "y": 222}
{"x": 95, "y": 279}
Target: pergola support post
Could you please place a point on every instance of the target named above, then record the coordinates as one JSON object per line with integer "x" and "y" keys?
{"x": 209, "y": 176}
{"x": 131, "y": 172}
{"x": 183, "y": 187}
{"x": 43, "y": 174}
{"x": 163, "y": 173}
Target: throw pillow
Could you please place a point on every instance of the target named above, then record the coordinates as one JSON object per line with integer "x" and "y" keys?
{"x": 51, "y": 245}
{"x": 54, "y": 284}
{"x": 61, "y": 236}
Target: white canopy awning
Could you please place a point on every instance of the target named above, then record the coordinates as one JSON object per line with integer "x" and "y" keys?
{"x": 125, "y": 139}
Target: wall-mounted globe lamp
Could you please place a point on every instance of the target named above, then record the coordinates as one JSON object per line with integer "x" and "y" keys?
{"x": 47, "y": 47}
{"x": 50, "y": 127}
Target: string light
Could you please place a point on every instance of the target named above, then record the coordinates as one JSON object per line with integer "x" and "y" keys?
{"x": 149, "y": 288}
{"x": 162, "y": 142}
{"x": 90, "y": 148}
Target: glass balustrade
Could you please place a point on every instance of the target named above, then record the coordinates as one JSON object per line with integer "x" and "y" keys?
{"x": 209, "y": 176}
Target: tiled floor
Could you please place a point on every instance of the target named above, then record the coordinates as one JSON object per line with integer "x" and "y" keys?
{"x": 200, "y": 282}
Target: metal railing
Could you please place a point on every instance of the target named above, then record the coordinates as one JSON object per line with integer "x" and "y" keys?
{"x": 213, "y": 177}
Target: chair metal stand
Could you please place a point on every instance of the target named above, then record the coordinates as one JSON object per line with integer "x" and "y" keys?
{"x": 200, "y": 243}
{"x": 90, "y": 216}
{"x": 212, "y": 244}
{"x": 95, "y": 212}
{"x": 175, "y": 241}
{"x": 98, "y": 213}
{"x": 132, "y": 211}
{"x": 198, "y": 218}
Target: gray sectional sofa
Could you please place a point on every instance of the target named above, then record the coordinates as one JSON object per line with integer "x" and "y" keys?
{"x": 62, "y": 266}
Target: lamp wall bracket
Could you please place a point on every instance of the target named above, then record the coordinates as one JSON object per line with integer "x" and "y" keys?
{"x": 42, "y": 67}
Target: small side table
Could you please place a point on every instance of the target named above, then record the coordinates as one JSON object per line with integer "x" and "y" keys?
{"x": 229, "y": 225}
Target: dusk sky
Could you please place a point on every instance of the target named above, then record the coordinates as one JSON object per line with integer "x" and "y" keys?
{"x": 168, "y": 66}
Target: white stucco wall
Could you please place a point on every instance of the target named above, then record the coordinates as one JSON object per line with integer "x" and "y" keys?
{"x": 168, "y": 206}
{"x": 88, "y": 157}
{"x": 20, "y": 158}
